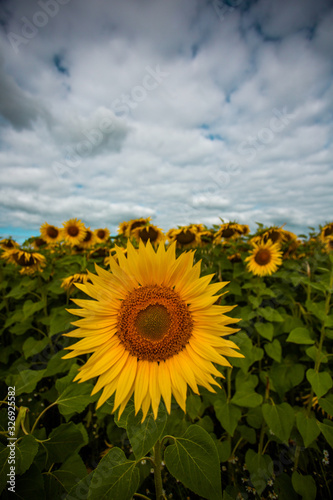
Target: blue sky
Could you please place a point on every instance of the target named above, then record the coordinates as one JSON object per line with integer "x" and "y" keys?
{"x": 186, "y": 112}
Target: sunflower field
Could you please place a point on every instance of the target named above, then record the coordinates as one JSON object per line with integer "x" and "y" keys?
{"x": 193, "y": 364}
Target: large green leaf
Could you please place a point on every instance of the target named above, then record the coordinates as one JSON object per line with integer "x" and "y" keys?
{"x": 247, "y": 397}
{"x": 286, "y": 375}
{"x": 227, "y": 414}
{"x": 25, "y": 452}
{"x": 63, "y": 441}
{"x": 274, "y": 350}
{"x": 279, "y": 418}
{"x": 326, "y": 428}
{"x": 72, "y": 470}
{"x": 75, "y": 398}
{"x": 193, "y": 460}
{"x": 266, "y": 330}
{"x": 143, "y": 436}
{"x": 31, "y": 346}
{"x": 115, "y": 477}
{"x": 308, "y": 427}
{"x": 300, "y": 335}
{"x": 327, "y": 404}
{"x": 25, "y": 380}
{"x": 260, "y": 468}
{"x": 320, "y": 382}
{"x": 304, "y": 486}
{"x": 270, "y": 314}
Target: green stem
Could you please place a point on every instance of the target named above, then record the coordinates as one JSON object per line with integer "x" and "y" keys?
{"x": 41, "y": 414}
{"x": 141, "y": 496}
{"x": 261, "y": 441}
{"x": 157, "y": 471}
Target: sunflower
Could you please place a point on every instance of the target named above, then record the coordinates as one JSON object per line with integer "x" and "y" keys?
{"x": 326, "y": 231}
{"x": 185, "y": 236}
{"x": 113, "y": 255}
{"x": 229, "y": 230}
{"x": 153, "y": 329}
{"x": 8, "y": 244}
{"x": 28, "y": 261}
{"x": 264, "y": 258}
{"x": 275, "y": 234}
{"x": 207, "y": 237}
{"x": 50, "y": 234}
{"x": 102, "y": 235}
{"x": 38, "y": 243}
{"x": 126, "y": 228}
{"x": 74, "y": 232}
{"x": 145, "y": 233}
{"x": 329, "y": 244}
{"x": 68, "y": 283}
{"x": 89, "y": 239}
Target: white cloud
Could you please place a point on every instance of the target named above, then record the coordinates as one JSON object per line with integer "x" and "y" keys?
{"x": 115, "y": 110}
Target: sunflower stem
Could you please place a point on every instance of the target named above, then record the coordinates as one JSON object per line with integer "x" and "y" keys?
{"x": 157, "y": 471}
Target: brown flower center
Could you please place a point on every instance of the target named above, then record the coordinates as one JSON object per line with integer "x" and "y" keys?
{"x": 24, "y": 260}
{"x": 87, "y": 237}
{"x": 73, "y": 231}
{"x": 148, "y": 233}
{"x": 263, "y": 257}
{"x": 39, "y": 242}
{"x": 101, "y": 234}
{"x": 185, "y": 237}
{"x": 52, "y": 232}
{"x": 137, "y": 223}
{"x": 154, "y": 323}
{"x": 328, "y": 231}
{"x": 228, "y": 232}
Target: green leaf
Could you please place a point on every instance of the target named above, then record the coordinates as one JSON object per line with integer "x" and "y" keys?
{"x": 25, "y": 381}
{"x": 227, "y": 414}
{"x": 308, "y": 427}
{"x": 247, "y": 433}
{"x": 320, "y": 382}
{"x": 30, "y": 307}
{"x": 247, "y": 398}
{"x": 193, "y": 460}
{"x": 115, "y": 477}
{"x": 31, "y": 346}
{"x": 279, "y": 418}
{"x": 327, "y": 404}
{"x": 143, "y": 436}
{"x": 223, "y": 450}
{"x": 75, "y": 398}
{"x": 254, "y": 417}
{"x": 251, "y": 353}
{"x": 57, "y": 365}
{"x": 266, "y": 330}
{"x": 274, "y": 350}
{"x": 326, "y": 427}
{"x": 260, "y": 468}
{"x": 71, "y": 471}
{"x": 63, "y": 441}
{"x": 300, "y": 335}
{"x": 286, "y": 375}
{"x": 304, "y": 486}
{"x": 270, "y": 314}
{"x": 30, "y": 485}
{"x": 25, "y": 452}
{"x": 193, "y": 405}
{"x": 312, "y": 352}
{"x": 60, "y": 321}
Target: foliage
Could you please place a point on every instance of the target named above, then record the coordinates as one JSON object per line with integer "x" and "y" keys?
{"x": 264, "y": 433}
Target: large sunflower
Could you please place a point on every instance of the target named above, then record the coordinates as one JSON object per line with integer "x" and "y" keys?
{"x": 265, "y": 258}
{"x": 28, "y": 261}
{"x": 74, "y": 232}
{"x": 102, "y": 235}
{"x": 153, "y": 329}
{"x": 50, "y": 234}
{"x": 185, "y": 236}
{"x": 150, "y": 232}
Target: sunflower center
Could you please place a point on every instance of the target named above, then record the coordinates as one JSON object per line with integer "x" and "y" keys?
{"x": 148, "y": 233}
{"x": 154, "y": 323}
{"x": 328, "y": 231}
{"x": 274, "y": 236}
{"x": 185, "y": 237}
{"x": 87, "y": 237}
{"x": 137, "y": 223}
{"x": 40, "y": 242}
{"x": 101, "y": 234}
{"x": 263, "y": 257}
{"x": 24, "y": 260}
{"x": 228, "y": 232}
{"x": 52, "y": 232}
{"x": 73, "y": 230}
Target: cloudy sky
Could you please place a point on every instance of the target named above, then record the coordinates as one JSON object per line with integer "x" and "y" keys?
{"x": 185, "y": 111}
